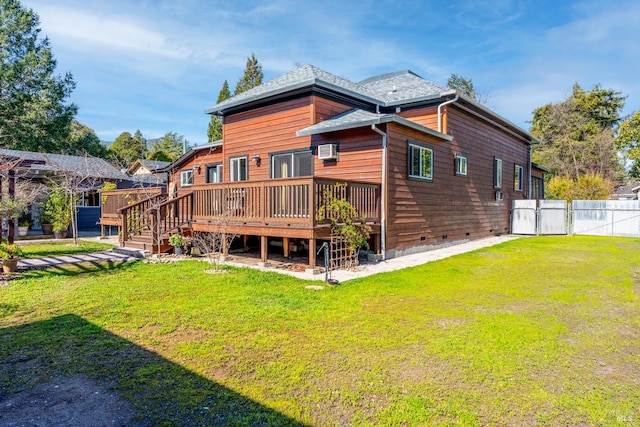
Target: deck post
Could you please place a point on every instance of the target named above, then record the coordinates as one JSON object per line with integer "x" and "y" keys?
{"x": 285, "y": 246}
{"x": 312, "y": 252}
{"x": 263, "y": 248}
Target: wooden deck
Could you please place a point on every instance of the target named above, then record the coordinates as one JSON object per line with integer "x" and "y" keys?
{"x": 285, "y": 208}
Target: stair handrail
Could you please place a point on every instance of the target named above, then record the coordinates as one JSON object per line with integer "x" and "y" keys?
{"x": 125, "y": 233}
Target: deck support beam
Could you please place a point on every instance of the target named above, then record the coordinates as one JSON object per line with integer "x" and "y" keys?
{"x": 312, "y": 253}
{"x": 263, "y": 248}
{"x": 285, "y": 247}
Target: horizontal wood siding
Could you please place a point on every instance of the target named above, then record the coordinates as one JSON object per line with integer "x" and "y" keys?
{"x": 359, "y": 156}
{"x": 264, "y": 131}
{"x": 202, "y": 158}
{"x": 451, "y": 207}
{"x": 325, "y": 109}
{"x": 424, "y": 116}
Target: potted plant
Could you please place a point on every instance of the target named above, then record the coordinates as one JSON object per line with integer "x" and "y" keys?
{"x": 10, "y": 253}
{"x": 58, "y": 209}
{"x": 23, "y": 225}
{"x": 175, "y": 240}
{"x": 45, "y": 221}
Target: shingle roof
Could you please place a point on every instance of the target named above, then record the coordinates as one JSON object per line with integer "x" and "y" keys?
{"x": 86, "y": 166}
{"x": 402, "y": 87}
{"x": 356, "y": 118}
{"x": 307, "y": 75}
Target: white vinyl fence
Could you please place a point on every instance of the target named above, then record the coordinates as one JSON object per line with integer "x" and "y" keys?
{"x": 589, "y": 217}
{"x": 607, "y": 217}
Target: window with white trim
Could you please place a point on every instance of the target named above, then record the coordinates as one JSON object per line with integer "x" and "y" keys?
{"x": 497, "y": 172}
{"x": 518, "y": 178}
{"x": 186, "y": 177}
{"x": 461, "y": 165}
{"x": 420, "y": 162}
{"x": 287, "y": 165}
{"x": 214, "y": 173}
{"x": 238, "y": 169}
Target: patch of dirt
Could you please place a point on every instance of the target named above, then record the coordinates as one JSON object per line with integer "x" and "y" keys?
{"x": 75, "y": 401}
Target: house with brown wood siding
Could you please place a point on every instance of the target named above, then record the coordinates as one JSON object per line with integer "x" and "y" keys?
{"x": 422, "y": 163}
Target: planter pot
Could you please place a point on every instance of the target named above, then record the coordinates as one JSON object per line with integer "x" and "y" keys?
{"x": 177, "y": 250}
{"x": 22, "y": 231}
{"x": 46, "y": 228}
{"x": 60, "y": 234}
{"x": 10, "y": 265}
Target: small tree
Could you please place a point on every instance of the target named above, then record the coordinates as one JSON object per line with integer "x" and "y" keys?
{"x": 344, "y": 220}
{"x": 585, "y": 187}
{"x": 58, "y": 208}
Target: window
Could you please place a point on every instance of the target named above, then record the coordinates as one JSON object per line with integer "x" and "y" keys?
{"x": 238, "y": 170}
{"x": 461, "y": 165}
{"x": 289, "y": 165}
{"x": 420, "y": 162}
{"x": 537, "y": 188}
{"x": 214, "y": 173}
{"x": 186, "y": 178}
{"x": 497, "y": 172}
{"x": 517, "y": 178}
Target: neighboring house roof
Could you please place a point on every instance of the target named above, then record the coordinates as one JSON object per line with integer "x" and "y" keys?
{"x": 402, "y": 88}
{"x": 193, "y": 151}
{"x": 150, "y": 165}
{"x": 629, "y": 191}
{"x": 80, "y": 165}
{"x": 358, "y": 118}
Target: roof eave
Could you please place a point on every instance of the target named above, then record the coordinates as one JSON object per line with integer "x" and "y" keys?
{"x": 376, "y": 121}
{"x": 291, "y": 88}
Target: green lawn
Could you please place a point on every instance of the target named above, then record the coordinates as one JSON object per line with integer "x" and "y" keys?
{"x": 536, "y": 331}
{"x": 64, "y": 247}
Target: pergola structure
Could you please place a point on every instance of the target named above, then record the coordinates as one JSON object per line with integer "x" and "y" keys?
{"x": 9, "y": 165}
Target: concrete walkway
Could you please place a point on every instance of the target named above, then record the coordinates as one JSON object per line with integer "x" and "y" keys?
{"x": 98, "y": 258}
{"x": 395, "y": 263}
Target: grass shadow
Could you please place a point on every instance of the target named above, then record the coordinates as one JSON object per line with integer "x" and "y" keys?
{"x": 159, "y": 391}
{"x": 74, "y": 269}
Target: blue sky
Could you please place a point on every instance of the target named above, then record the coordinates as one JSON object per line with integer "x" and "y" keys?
{"x": 156, "y": 65}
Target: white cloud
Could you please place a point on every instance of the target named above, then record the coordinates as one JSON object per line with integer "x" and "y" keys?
{"x": 90, "y": 30}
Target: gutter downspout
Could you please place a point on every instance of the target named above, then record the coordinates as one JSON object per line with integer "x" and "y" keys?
{"x": 530, "y": 180}
{"x": 454, "y": 99}
{"x": 383, "y": 195}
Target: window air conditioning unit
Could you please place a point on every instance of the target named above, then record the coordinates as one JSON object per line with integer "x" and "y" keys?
{"x": 328, "y": 151}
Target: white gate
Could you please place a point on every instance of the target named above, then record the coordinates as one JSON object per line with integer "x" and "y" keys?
{"x": 524, "y": 217}
{"x": 552, "y": 217}
{"x": 534, "y": 217}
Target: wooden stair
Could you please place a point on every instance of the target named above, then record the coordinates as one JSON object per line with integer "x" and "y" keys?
{"x": 144, "y": 241}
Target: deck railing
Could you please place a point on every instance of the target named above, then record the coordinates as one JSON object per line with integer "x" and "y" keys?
{"x": 113, "y": 200}
{"x": 290, "y": 201}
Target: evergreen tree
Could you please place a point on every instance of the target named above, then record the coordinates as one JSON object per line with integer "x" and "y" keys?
{"x": 126, "y": 149}
{"x": 168, "y": 149}
{"x": 462, "y": 85}
{"x": 83, "y": 140}
{"x": 252, "y": 75}
{"x": 214, "y": 132}
{"x": 33, "y": 112}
